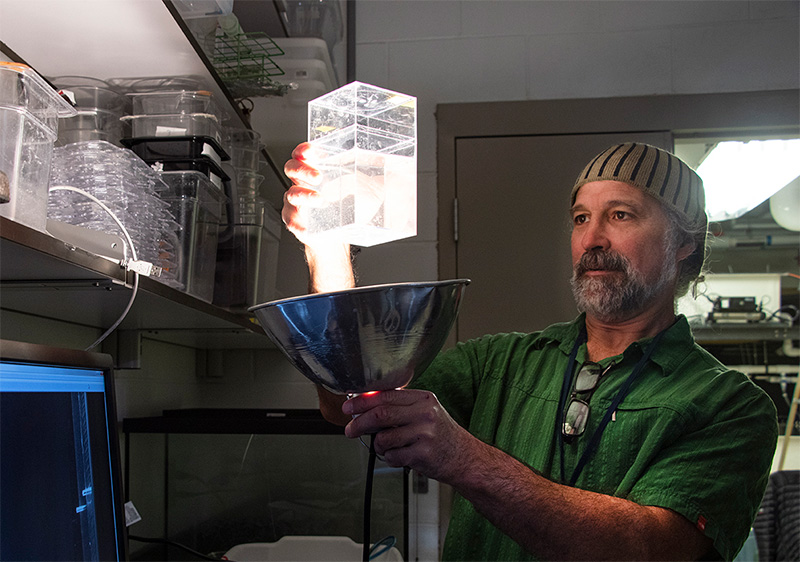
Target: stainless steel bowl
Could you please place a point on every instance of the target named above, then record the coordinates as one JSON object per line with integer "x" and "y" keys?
{"x": 368, "y": 338}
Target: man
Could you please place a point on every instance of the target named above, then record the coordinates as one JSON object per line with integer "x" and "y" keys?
{"x": 610, "y": 437}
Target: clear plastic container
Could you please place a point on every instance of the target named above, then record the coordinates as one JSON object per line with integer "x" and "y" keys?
{"x": 197, "y": 205}
{"x": 129, "y": 187}
{"x": 247, "y": 263}
{"x": 203, "y": 8}
{"x": 245, "y": 146}
{"x": 175, "y": 125}
{"x": 248, "y": 183}
{"x": 368, "y": 135}
{"x": 83, "y": 135}
{"x": 91, "y": 118}
{"x": 91, "y": 93}
{"x": 174, "y": 102}
{"x": 22, "y": 88}
{"x": 176, "y": 148}
{"x": 29, "y": 112}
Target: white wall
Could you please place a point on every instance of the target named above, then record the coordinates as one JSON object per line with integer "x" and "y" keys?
{"x": 446, "y": 51}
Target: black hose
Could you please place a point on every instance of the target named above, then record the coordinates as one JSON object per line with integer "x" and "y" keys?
{"x": 172, "y": 543}
{"x": 368, "y": 498}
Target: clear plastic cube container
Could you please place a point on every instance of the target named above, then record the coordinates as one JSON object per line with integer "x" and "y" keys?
{"x": 367, "y": 135}
{"x": 29, "y": 113}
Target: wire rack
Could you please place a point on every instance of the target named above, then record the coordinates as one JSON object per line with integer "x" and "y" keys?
{"x": 246, "y": 56}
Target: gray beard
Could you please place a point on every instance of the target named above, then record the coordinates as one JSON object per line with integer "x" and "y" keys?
{"x": 616, "y": 297}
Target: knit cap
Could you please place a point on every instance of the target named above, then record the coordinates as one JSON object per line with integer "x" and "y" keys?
{"x": 658, "y": 173}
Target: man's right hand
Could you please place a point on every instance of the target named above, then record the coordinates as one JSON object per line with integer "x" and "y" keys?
{"x": 329, "y": 264}
{"x": 303, "y": 194}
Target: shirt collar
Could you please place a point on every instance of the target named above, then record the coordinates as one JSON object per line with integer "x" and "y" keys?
{"x": 673, "y": 348}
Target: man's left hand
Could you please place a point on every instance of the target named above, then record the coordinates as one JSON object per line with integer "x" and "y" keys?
{"x": 412, "y": 429}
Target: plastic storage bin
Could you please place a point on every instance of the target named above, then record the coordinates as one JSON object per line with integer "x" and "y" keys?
{"x": 91, "y": 124}
{"x": 247, "y": 263}
{"x": 99, "y": 110}
{"x": 245, "y": 149}
{"x": 29, "y": 113}
{"x": 174, "y": 102}
{"x": 175, "y": 125}
{"x": 153, "y": 149}
{"x": 197, "y": 206}
{"x": 204, "y": 165}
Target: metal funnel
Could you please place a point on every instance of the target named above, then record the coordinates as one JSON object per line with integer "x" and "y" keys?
{"x": 368, "y": 338}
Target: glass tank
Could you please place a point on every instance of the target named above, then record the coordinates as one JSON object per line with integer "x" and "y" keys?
{"x": 213, "y": 491}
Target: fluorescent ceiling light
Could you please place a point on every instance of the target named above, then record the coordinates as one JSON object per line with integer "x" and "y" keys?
{"x": 738, "y": 176}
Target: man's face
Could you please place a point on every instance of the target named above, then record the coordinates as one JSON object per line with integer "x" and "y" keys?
{"x": 623, "y": 256}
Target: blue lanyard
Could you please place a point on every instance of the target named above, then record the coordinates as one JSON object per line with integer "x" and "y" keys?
{"x": 623, "y": 391}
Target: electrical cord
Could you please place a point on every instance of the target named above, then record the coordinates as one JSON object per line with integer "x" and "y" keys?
{"x": 133, "y": 256}
{"x": 381, "y": 546}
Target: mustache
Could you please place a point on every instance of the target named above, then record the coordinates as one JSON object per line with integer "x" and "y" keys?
{"x": 599, "y": 260}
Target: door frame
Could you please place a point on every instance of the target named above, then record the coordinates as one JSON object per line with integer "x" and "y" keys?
{"x": 685, "y": 115}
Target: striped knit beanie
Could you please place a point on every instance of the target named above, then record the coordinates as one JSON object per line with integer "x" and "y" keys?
{"x": 660, "y": 174}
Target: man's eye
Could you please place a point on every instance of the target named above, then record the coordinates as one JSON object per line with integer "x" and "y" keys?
{"x": 579, "y": 219}
{"x": 620, "y": 215}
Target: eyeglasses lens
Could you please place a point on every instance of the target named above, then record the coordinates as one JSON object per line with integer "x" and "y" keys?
{"x": 578, "y": 410}
{"x": 575, "y": 418}
{"x": 587, "y": 378}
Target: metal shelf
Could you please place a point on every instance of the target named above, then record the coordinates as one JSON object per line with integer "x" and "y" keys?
{"x": 46, "y": 277}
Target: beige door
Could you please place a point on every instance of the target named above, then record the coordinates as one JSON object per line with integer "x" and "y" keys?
{"x": 513, "y": 226}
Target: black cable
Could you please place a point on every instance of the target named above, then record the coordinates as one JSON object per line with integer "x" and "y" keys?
{"x": 368, "y": 497}
{"x": 172, "y": 543}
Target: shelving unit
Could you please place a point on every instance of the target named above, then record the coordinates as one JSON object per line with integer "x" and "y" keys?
{"x": 45, "y": 277}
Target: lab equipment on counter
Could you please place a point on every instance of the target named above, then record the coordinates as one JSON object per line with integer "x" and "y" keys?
{"x": 367, "y": 138}
{"x": 29, "y": 113}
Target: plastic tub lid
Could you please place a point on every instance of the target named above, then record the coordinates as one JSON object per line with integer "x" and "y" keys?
{"x": 39, "y": 85}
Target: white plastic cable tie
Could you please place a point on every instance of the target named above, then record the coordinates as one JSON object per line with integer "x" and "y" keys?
{"x": 143, "y": 268}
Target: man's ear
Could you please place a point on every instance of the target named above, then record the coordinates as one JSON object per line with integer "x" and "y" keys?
{"x": 686, "y": 250}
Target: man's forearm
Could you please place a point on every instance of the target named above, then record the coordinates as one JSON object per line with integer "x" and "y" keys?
{"x": 329, "y": 267}
{"x": 558, "y": 522}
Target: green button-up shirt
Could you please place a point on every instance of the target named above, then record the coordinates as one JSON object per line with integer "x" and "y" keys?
{"x": 691, "y": 435}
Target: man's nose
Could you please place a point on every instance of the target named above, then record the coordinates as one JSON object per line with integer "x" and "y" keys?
{"x": 595, "y": 236}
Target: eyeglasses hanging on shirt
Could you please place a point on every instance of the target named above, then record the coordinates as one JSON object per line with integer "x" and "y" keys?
{"x": 578, "y": 420}
{"x": 576, "y": 413}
